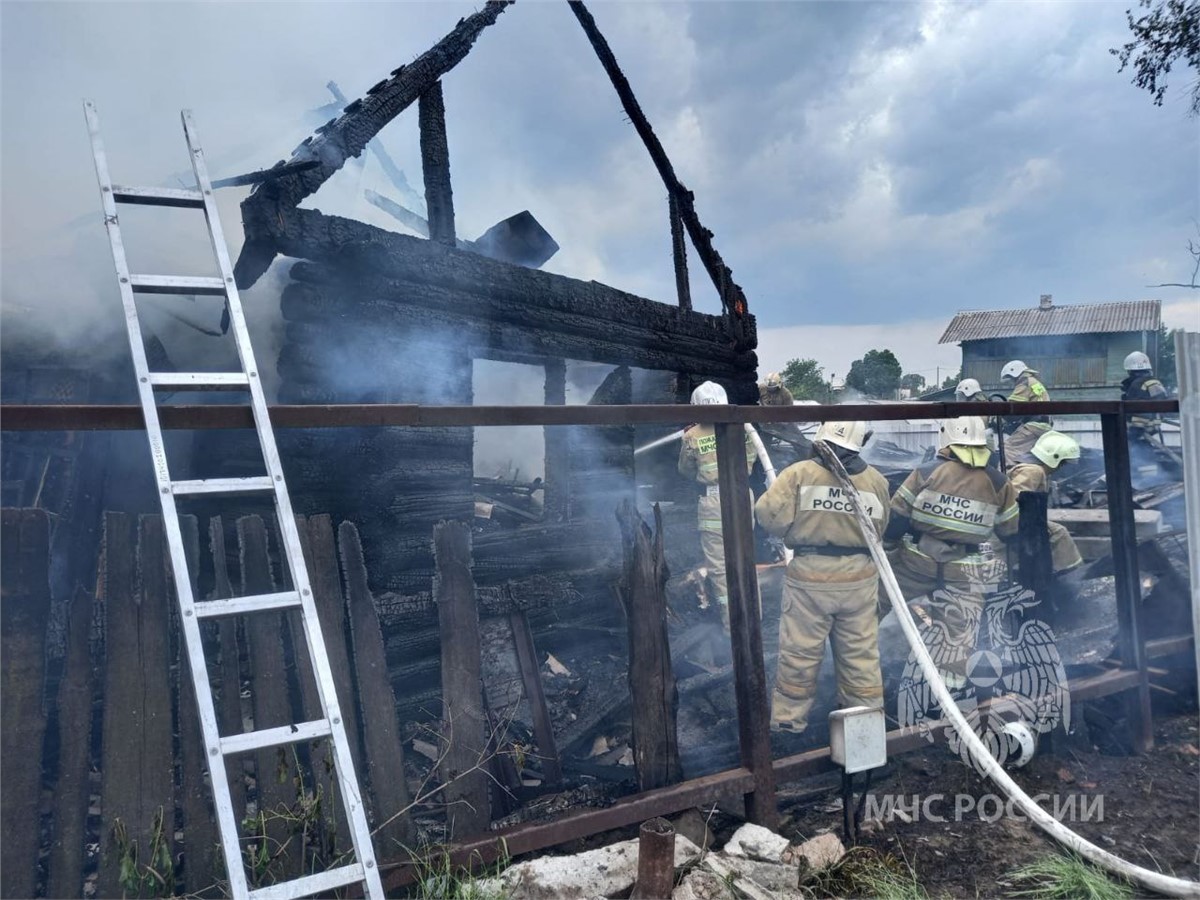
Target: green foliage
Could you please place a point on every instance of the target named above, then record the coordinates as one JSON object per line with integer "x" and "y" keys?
{"x": 864, "y": 872}
{"x": 1168, "y": 33}
{"x": 913, "y": 382}
{"x": 1057, "y": 877}
{"x": 1166, "y": 358}
{"x": 877, "y": 374}
{"x": 951, "y": 381}
{"x": 438, "y": 878}
{"x": 156, "y": 876}
{"x": 806, "y": 381}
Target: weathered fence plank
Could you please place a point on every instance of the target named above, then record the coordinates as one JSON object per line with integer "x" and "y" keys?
{"x": 23, "y": 617}
{"x": 463, "y": 718}
{"x": 137, "y": 796}
{"x": 65, "y": 866}
{"x": 381, "y": 727}
{"x": 229, "y": 694}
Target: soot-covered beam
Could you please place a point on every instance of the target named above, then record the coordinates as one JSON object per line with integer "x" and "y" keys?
{"x": 435, "y": 164}
{"x": 348, "y": 135}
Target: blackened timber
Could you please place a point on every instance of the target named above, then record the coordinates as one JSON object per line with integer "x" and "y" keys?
{"x": 733, "y": 300}
{"x": 556, "y": 441}
{"x": 1115, "y": 434}
{"x": 435, "y": 163}
{"x": 745, "y": 620}
{"x": 543, "y": 728}
{"x": 348, "y": 135}
{"x": 642, "y": 588}
{"x": 463, "y": 719}
{"x": 683, "y": 285}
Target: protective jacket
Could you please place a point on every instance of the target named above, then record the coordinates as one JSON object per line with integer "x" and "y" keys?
{"x": 1032, "y": 476}
{"x": 1142, "y": 386}
{"x": 956, "y": 503}
{"x": 1028, "y": 387}
{"x": 1017, "y": 446}
{"x": 779, "y": 396}
{"x": 808, "y": 509}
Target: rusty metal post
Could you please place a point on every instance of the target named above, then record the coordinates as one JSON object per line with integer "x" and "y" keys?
{"x": 745, "y": 622}
{"x": 1125, "y": 569}
{"x": 656, "y": 860}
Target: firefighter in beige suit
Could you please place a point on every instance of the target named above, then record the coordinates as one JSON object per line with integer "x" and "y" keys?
{"x": 1032, "y": 473}
{"x": 698, "y": 460}
{"x": 831, "y": 585}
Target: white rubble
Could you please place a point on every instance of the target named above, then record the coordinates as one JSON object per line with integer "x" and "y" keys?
{"x": 755, "y": 842}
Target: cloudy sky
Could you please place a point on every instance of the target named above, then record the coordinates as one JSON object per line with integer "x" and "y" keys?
{"x": 868, "y": 168}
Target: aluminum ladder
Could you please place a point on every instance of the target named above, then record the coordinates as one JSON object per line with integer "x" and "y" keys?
{"x": 363, "y": 870}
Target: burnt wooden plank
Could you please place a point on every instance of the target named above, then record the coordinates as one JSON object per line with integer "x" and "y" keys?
{"x": 24, "y": 613}
{"x": 204, "y": 864}
{"x": 71, "y": 791}
{"x": 349, "y": 134}
{"x": 435, "y": 164}
{"x": 324, "y": 785}
{"x": 531, "y": 678}
{"x": 268, "y": 691}
{"x": 137, "y": 797}
{"x": 463, "y": 715}
{"x": 683, "y": 284}
{"x": 557, "y": 444}
{"x": 381, "y": 728}
{"x": 229, "y": 677}
{"x": 642, "y": 588}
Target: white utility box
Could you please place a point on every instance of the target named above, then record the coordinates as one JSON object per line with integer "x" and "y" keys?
{"x": 858, "y": 738}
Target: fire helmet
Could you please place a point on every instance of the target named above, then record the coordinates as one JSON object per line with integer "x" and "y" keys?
{"x": 1013, "y": 369}
{"x": 774, "y": 380}
{"x": 850, "y": 435}
{"x": 1137, "y": 361}
{"x": 966, "y": 431}
{"x": 709, "y": 394}
{"x": 967, "y": 389}
{"x": 1054, "y": 447}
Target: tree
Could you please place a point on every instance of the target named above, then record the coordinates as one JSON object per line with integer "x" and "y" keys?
{"x": 951, "y": 381}
{"x": 913, "y": 383}
{"x": 806, "y": 380}
{"x": 877, "y": 374}
{"x": 1169, "y": 32}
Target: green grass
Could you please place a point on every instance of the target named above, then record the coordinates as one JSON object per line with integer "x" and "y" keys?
{"x": 1059, "y": 877}
{"x": 864, "y": 872}
{"x": 439, "y": 878}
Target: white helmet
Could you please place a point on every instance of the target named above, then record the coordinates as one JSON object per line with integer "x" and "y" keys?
{"x": 1013, "y": 369}
{"x": 966, "y": 431}
{"x": 709, "y": 394}
{"x": 1137, "y": 361}
{"x": 774, "y": 380}
{"x": 851, "y": 435}
{"x": 1054, "y": 447}
{"x": 968, "y": 388}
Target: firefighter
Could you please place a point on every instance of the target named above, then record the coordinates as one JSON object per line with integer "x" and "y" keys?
{"x": 1032, "y": 473}
{"x": 773, "y": 393}
{"x": 969, "y": 390}
{"x": 831, "y": 585}
{"x": 1025, "y": 384}
{"x": 943, "y": 519}
{"x": 698, "y": 459}
{"x": 1140, "y": 384}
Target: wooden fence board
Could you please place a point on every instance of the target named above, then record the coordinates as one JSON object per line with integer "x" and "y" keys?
{"x": 65, "y": 876}
{"x": 137, "y": 776}
{"x": 24, "y": 613}
{"x": 381, "y": 727}
{"x": 229, "y": 679}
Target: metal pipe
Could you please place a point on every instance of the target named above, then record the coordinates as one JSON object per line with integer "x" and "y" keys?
{"x": 656, "y": 860}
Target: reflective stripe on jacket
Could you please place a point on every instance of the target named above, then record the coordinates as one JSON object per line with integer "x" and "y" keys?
{"x": 954, "y": 502}
{"x": 698, "y": 455}
{"x": 1028, "y": 388}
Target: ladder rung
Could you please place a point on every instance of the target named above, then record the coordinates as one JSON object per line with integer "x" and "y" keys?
{"x": 153, "y": 196}
{"x": 177, "y": 284}
{"x": 237, "y": 606}
{"x": 223, "y": 485}
{"x": 200, "y": 381}
{"x": 274, "y": 737}
{"x": 311, "y": 884}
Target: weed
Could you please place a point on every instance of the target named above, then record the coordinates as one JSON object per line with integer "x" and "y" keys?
{"x": 439, "y": 878}
{"x": 864, "y": 872}
{"x": 156, "y": 876}
{"x": 1067, "y": 877}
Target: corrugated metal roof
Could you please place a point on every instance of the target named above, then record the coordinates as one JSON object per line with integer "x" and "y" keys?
{"x": 1126, "y": 315}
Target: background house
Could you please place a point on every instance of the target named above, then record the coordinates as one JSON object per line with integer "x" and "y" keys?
{"x": 1077, "y": 350}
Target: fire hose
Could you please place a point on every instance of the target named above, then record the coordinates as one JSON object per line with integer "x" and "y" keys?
{"x": 1156, "y": 881}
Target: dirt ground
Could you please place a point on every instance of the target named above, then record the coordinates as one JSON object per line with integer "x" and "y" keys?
{"x": 1149, "y": 813}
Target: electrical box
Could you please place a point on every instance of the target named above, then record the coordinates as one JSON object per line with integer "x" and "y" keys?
{"x": 858, "y": 738}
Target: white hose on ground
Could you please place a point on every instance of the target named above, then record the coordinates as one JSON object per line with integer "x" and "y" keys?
{"x": 761, "y": 449}
{"x": 1156, "y": 881}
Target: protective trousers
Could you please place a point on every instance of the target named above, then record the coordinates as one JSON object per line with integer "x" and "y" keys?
{"x": 843, "y": 612}
{"x": 1064, "y": 553}
{"x": 712, "y": 542}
